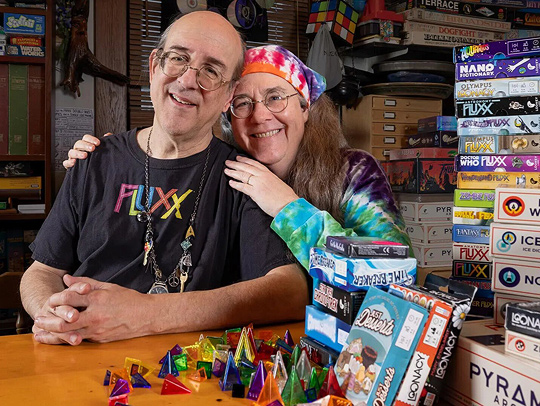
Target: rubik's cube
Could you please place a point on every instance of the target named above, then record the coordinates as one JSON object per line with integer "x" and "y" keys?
{"x": 341, "y": 17}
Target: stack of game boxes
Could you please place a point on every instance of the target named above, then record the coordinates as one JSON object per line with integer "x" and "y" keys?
{"x": 498, "y": 110}
{"x": 515, "y": 248}
{"x": 342, "y": 273}
{"x": 422, "y": 178}
{"x": 401, "y": 343}
{"x": 450, "y": 23}
{"x": 24, "y": 33}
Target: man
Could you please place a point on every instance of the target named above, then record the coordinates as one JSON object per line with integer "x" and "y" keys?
{"x": 151, "y": 211}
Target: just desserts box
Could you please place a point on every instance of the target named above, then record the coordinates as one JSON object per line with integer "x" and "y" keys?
{"x": 482, "y": 374}
{"x": 378, "y": 349}
{"x": 498, "y": 69}
{"x": 354, "y": 274}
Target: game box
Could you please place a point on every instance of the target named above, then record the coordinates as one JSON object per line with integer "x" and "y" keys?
{"x": 516, "y": 48}
{"x": 472, "y": 269}
{"x": 517, "y": 277}
{"x": 378, "y": 349}
{"x": 514, "y": 205}
{"x": 493, "y": 180}
{"x": 474, "y": 216}
{"x": 481, "y": 89}
{"x": 515, "y": 241}
{"x": 471, "y": 252}
{"x": 522, "y": 345}
{"x": 439, "y": 139}
{"x": 498, "y": 69}
{"x": 474, "y": 198}
{"x": 437, "y": 123}
{"x": 498, "y": 106}
{"x": 433, "y": 255}
{"x": 354, "y": 274}
{"x": 456, "y": 8}
{"x": 499, "y": 144}
{"x": 429, "y": 233}
{"x": 366, "y": 247}
{"x": 337, "y": 302}
{"x": 497, "y": 163}
{"x": 433, "y": 17}
{"x": 502, "y": 125}
{"x": 425, "y": 211}
{"x": 325, "y": 328}
{"x": 524, "y": 318}
{"x": 422, "y": 175}
{"x": 463, "y": 233}
{"x": 501, "y": 300}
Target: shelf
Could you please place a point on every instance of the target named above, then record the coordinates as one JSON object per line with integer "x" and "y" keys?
{"x": 19, "y": 216}
{"x": 27, "y": 60}
{"x": 23, "y": 10}
{"x": 4, "y": 158}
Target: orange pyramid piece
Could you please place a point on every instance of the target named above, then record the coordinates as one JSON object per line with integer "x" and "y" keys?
{"x": 269, "y": 393}
{"x": 199, "y": 375}
{"x": 172, "y": 386}
{"x": 337, "y": 401}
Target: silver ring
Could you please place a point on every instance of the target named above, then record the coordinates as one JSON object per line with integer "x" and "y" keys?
{"x": 249, "y": 177}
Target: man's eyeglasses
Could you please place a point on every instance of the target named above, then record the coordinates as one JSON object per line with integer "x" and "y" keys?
{"x": 175, "y": 65}
{"x": 276, "y": 102}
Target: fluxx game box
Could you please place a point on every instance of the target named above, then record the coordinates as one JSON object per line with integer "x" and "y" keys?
{"x": 501, "y": 125}
{"x": 422, "y": 175}
{"x": 471, "y": 269}
{"x": 379, "y": 346}
{"x": 366, "y": 247}
{"x": 497, "y": 163}
{"x": 355, "y": 274}
{"x": 471, "y": 252}
{"x": 516, "y": 48}
{"x": 499, "y": 144}
{"x": 474, "y": 198}
{"x": 474, "y": 216}
{"x": 493, "y": 180}
{"x": 498, "y": 106}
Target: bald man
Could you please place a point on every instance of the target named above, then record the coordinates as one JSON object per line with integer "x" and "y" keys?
{"x": 146, "y": 237}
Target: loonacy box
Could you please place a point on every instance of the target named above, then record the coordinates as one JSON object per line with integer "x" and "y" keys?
{"x": 517, "y": 206}
{"x": 353, "y": 274}
{"x": 515, "y": 241}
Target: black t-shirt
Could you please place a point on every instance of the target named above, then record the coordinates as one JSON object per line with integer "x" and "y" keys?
{"x": 92, "y": 229}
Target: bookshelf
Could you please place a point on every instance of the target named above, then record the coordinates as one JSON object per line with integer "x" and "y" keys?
{"x": 40, "y": 162}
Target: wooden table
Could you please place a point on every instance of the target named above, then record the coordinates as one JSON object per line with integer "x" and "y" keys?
{"x": 38, "y": 374}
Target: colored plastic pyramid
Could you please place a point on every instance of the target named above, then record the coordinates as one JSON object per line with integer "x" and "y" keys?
{"x": 279, "y": 372}
{"x": 314, "y": 382}
{"x": 107, "y": 378}
{"x": 330, "y": 386}
{"x": 199, "y": 375}
{"x": 115, "y": 376}
{"x": 180, "y": 361}
{"x": 206, "y": 350}
{"x": 265, "y": 335}
{"x": 295, "y": 356}
{"x": 270, "y": 393}
{"x": 303, "y": 369}
{"x": 207, "y": 367}
{"x": 172, "y": 386}
{"x": 257, "y": 382}
{"x": 176, "y": 350}
{"x": 230, "y": 376}
{"x": 282, "y": 345}
{"x": 193, "y": 353}
{"x": 138, "y": 381}
{"x": 120, "y": 399}
{"x": 244, "y": 348}
{"x": 311, "y": 395}
{"x": 120, "y": 388}
{"x": 329, "y": 401}
{"x": 288, "y": 339}
{"x": 168, "y": 367}
{"x": 293, "y": 392}
{"x": 135, "y": 366}
{"x": 322, "y": 377}
{"x": 218, "y": 369}
{"x": 251, "y": 339}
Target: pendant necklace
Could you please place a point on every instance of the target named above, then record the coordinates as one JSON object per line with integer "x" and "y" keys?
{"x": 181, "y": 271}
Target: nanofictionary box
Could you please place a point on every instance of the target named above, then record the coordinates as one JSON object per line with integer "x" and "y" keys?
{"x": 381, "y": 343}
{"x": 422, "y": 175}
{"x": 516, "y": 48}
{"x": 482, "y": 374}
{"x": 498, "y": 69}
{"x": 357, "y": 274}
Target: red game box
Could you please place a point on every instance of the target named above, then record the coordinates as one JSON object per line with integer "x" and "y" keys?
{"x": 422, "y": 175}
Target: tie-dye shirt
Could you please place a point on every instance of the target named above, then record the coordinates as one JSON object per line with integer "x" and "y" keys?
{"x": 368, "y": 210}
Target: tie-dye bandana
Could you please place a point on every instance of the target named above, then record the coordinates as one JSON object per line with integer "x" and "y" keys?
{"x": 283, "y": 63}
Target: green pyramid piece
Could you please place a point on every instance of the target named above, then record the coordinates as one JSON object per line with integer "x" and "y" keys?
{"x": 314, "y": 381}
{"x": 322, "y": 376}
{"x": 293, "y": 393}
{"x": 295, "y": 356}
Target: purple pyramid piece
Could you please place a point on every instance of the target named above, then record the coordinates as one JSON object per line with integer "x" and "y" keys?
{"x": 219, "y": 368}
{"x": 176, "y": 350}
{"x": 138, "y": 381}
{"x": 257, "y": 383}
{"x": 120, "y": 388}
{"x": 231, "y": 375}
{"x": 168, "y": 367}
{"x": 288, "y": 339}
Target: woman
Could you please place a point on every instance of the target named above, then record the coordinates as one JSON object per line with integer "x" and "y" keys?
{"x": 302, "y": 173}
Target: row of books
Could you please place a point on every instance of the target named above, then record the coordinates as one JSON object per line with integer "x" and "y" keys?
{"x": 22, "y": 116}
{"x": 15, "y": 254}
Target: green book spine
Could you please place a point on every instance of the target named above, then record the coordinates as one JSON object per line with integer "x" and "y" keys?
{"x": 18, "y": 109}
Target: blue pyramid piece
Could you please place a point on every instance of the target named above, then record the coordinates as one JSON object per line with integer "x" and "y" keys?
{"x": 107, "y": 378}
{"x": 138, "y": 381}
{"x": 280, "y": 344}
{"x": 168, "y": 367}
{"x": 231, "y": 375}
